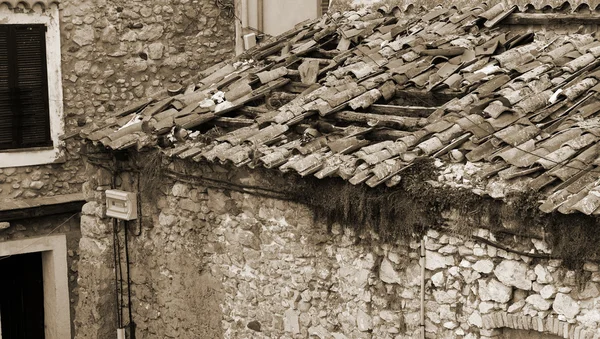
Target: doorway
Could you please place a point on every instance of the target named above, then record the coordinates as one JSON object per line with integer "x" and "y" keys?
{"x": 22, "y": 297}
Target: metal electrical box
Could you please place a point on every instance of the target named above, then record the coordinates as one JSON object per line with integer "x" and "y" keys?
{"x": 121, "y": 204}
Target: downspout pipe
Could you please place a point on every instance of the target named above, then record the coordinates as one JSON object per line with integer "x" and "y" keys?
{"x": 422, "y": 262}
{"x": 261, "y": 16}
{"x": 240, "y": 12}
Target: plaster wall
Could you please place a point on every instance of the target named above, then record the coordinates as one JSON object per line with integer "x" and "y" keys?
{"x": 293, "y": 11}
{"x": 218, "y": 263}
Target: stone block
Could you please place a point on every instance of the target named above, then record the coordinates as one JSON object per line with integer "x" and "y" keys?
{"x": 555, "y": 325}
{"x": 538, "y": 302}
{"x": 190, "y": 205}
{"x": 494, "y": 290}
{"x": 388, "y": 274}
{"x": 590, "y": 267}
{"x": 527, "y": 322}
{"x": 543, "y": 276}
{"x": 438, "y": 279}
{"x": 513, "y": 273}
{"x": 548, "y": 292}
{"x": 490, "y": 332}
{"x": 590, "y": 291}
{"x": 498, "y": 320}
{"x": 155, "y": 50}
{"x": 434, "y": 260}
{"x": 364, "y": 321}
{"x": 540, "y": 324}
{"x": 181, "y": 190}
{"x": 84, "y": 35}
{"x": 484, "y": 266}
{"x": 565, "y": 305}
{"x": 516, "y": 307}
{"x": 93, "y": 227}
{"x": 477, "y": 320}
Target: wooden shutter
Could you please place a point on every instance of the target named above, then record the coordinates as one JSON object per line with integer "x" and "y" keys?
{"x": 23, "y": 63}
{"x": 32, "y": 85}
{"x": 6, "y": 115}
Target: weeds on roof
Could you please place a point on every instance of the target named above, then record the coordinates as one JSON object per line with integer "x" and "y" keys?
{"x": 409, "y": 209}
{"x": 415, "y": 206}
{"x": 150, "y": 174}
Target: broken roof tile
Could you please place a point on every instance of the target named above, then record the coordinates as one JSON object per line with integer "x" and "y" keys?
{"x": 488, "y": 89}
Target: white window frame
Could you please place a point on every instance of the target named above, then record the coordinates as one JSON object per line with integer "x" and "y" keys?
{"x": 41, "y": 155}
{"x": 57, "y": 311}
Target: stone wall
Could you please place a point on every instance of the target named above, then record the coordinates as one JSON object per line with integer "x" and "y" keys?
{"x": 113, "y": 53}
{"x": 287, "y": 273}
{"x": 117, "y": 51}
{"x": 216, "y": 262}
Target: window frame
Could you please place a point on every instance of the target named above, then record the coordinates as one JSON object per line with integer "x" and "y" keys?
{"x": 19, "y": 157}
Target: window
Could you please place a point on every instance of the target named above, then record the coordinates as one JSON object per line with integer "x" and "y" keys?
{"x": 24, "y": 111}
{"x": 41, "y": 116}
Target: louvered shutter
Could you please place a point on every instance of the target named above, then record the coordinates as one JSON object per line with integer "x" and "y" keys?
{"x": 7, "y": 138}
{"x": 32, "y": 86}
{"x": 24, "y": 113}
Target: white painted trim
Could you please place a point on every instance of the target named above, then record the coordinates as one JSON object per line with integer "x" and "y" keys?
{"x": 50, "y": 18}
{"x": 57, "y": 315}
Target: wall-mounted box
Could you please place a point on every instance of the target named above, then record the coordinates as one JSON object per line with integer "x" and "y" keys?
{"x": 121, "y": 204}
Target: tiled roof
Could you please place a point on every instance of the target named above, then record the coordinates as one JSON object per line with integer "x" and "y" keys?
{"x": 28, "y": 3}
{"x": 523, "y": 5}
{"x": 337, "y": 97}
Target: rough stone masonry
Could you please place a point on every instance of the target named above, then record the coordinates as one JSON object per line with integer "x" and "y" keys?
{"x": 220, "y": 263}
{"x": 115, "y": 52}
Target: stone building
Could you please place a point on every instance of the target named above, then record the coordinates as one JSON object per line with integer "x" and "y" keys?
{"x": 74, "y": 64}
{"x": 393, "y": 173}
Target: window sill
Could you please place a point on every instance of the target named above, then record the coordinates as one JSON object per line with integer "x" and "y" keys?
{"x": 30, "y": 149}
{"x": 30, "y": 157}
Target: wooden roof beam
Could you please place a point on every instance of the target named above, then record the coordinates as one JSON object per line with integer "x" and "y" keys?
{"x": 551, "y": 19}
{"x": 402, "y": 111}
{"x": 379, "y": 120}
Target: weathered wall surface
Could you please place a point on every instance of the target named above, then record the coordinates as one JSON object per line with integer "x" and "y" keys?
{"x": 284, "y": 271}
{"x": 43, "y": 180}
{"x": 113, "y": 53}
{"x": 265, "y": 268}
{"x": 116, "y": 51}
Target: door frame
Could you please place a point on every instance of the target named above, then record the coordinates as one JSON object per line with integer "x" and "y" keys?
{"x": 57, "y": 311}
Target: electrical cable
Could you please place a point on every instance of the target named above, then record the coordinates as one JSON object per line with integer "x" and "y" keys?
{"x": 139, "y": 205}
{"x": 42, "y": 238}
{"x": 119, "y": 320}
{"x": 131, "y": 323}
{"x": 120, "y": 276}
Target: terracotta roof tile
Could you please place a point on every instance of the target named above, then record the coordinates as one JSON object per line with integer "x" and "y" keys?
{"x": 522, "y": 107}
